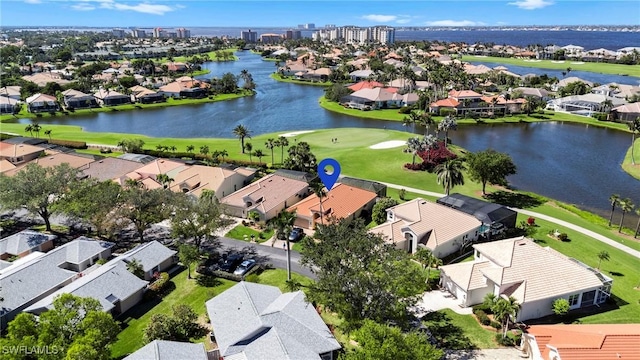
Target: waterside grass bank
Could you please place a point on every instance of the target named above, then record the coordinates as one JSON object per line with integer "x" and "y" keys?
{"x": 278, "y": 77}
{"x": 24, "y": 114}
{"x": 602, "y": 68}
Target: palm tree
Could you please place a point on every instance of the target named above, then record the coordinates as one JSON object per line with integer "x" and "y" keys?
{"x": 241, "y": 132}
{"x": 503, "y": 310}
{"x": 204, "y": 150}
{"x": 626, "y": 205}
{"x": 634, "y": 126}
{"x": 425, "y": 257}
{"x": 602, "y": 255}
{"x": 429, "y": 142}
{"x": 407, "y": 121}
{"x": 223, "y": 153}
{"x": 37, "y": 128}
{"x": 48, "y": 133}
{"x": 448, "y": 123}
{"x": 164, "y": 179}
{"x": 29, "y": 128}
{"x": 426, "y": 120}
{"x": 414, "y": 146}
{"x": 318, "y": 189}
{"x": 449, "y": 174}
{"x": 249, "y": 147}
{"x": 283, "y": 224}
{"x": 259, "y": 154}
{"x": 270, "y": 144}
{"x": 282, "y": 142}
{"x": 614, "y": 200}
{"x": 135, "y": 267}
{"x": 606, "y": 105}
{"x": 190, "y": 148}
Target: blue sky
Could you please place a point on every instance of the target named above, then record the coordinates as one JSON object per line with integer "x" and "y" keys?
{"x": 192, "y": 13}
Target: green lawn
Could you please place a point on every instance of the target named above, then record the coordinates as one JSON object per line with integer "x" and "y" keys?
{"x": 170, "y": 102}
{"x": 633, "y": 169}
{"x": 187, "y": 292}
{"x": 455, "y": 331}
{"x": 244, "y": 233}
{"x": 603, "y": 68}
{"x": 287, "y": 79}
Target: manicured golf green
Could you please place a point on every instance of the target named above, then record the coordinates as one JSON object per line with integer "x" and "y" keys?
{"x": 602, "y": 68}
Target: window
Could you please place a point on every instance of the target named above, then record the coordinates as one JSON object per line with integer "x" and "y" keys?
{"x": 573, "y": 299}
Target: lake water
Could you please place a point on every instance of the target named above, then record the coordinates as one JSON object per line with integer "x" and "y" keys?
{"x": 570, "y": 162}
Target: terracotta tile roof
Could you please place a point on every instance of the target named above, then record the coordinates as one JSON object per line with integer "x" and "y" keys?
{"x": 41, "y": 98}
{"x": 156, "y": 167}
{"x": 375, "y": 94}
{"x": 514, "y": 259}
{"x": 467, "y": 274}
{"x": 109, "y": 168}
{"x": 16, "y": 150}
{"x": 266, "y": 193}
{"x": 588, "y": 342}
{"x": 55, "y": 159}
{"x": 5, "y": 165}
{"x": 365, "y": 85}
{"x": 340, "y": 202}
{"x": 448, "y": 102}
{"x": 196, "y": 178}
{"x": 628, "y": 108}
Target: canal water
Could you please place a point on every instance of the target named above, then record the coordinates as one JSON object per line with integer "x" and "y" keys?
{"x": 573, "y": 163}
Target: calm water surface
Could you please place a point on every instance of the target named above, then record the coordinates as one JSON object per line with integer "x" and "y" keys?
{"x": 569, "y": 162}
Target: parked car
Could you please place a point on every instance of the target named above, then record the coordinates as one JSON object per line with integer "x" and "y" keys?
{"x": 296, "y": 234}
{"x": 229, "y": 264}
{"x": 243, "y": 268}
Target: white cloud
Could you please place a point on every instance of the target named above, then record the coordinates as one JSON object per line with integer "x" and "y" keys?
{"x": 144, "y": 7}
{"x": 531, "y": 4}
{"x": 83, "y": 7}
{"x": 33, "y": 1}
{"x": 454, "y": 23}
{"x": 403, "y": 21}
{"x": 380, "y": 18}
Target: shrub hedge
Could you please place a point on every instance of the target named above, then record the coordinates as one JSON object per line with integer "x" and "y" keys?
{"x": 69, "y": 143}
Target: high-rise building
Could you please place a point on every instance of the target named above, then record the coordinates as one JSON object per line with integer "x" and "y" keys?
{"x": 249, "y": 36}
{"x": 355, "y": 34}
{"x": 183, "y": 33}
{"x": 118, "y": 33}
{"x": 270, "y": 38}
{"x": 159, "y": 33}
{"x": 310, "y": 26}
{"x": 293, "y": 35}
{"x": 138, "y": 33}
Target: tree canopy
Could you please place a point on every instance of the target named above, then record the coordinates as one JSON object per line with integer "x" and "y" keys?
{"x": 360, "y": 276}
{"x": 74, "y": 326}
{"x": 37, "y": 189}
{"x": 196, "y": 219}
{"x": 383, "y": 342}
{"x": 490, "y": 166}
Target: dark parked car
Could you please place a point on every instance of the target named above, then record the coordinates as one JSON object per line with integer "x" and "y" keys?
{"x": 231, "y": 262}
{"x": 245, "y": 267}
{"x": 296, "y": 234}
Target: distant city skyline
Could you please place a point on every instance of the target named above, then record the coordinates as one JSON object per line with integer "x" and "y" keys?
{"x": 240, "y": 13}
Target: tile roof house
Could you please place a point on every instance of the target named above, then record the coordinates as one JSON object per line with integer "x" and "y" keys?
{"x": 54, "y": 159}
{"x": 505, "y": 268}
{"x": 267, "y": 196}
{"x": 5, "y": 165}
{"x": 109, "y": 168}
{"x": 42, "y": 103}
{"x": 41, "y": 79}
{"x": 24, "y": 243}
{"x": 365, "y": 85}
{"x": 341, "y": 202}
{"x": 12, "y": 92}
{"x": 185, "y": 87}
{"x": 108, "y": 97}
{"x": 582, "y": 342}
{"x": 19, "y": 153}
{"x": 254, "y": 321}
{"x": 152, "y": 169}
{"x": 566, "y": 81}
{"x": 169, "y": 350}
{"x": 196, "y": 178}
{"x": 420, "y": 223}
{"x": 145, "y": 96}
{"x": 78, "y": 100}
{"x": 627, "y": 112}
{"x": 25, "y": 283}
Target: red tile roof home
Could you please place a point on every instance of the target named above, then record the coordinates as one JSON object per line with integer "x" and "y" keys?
{"x": 55, "y": 159}
{"x": 154, "y": 168}
{"x": 584, "y": 342}
{"x": 341, "y": 202}
{"x": 464, "y": 94}
{"x": 448, "y": 102}
{"x": 176, "y": 66}
{"x": 365, "y": 85}
{"x": 12, "y": 152}
{"x": 375, "y": 94}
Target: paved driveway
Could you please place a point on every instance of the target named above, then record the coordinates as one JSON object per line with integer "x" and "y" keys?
{"x": 437, "y": 300}
{"x": 485, "y": 354}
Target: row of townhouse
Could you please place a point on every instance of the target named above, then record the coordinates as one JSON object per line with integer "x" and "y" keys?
{"x": 73, "y": 268}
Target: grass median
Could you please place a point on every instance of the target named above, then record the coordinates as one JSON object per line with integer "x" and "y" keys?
{"x": 602, "y": 68}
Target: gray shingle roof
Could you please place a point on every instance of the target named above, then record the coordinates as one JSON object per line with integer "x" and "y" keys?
{"x": 169, "y": 350}
{"x": 149, "y": 255}
{"x": 84, "y": 248}
{"x": 110, "y": 282}
{"x": 260, "y": 322}
{"x": 23, "y": 241}
{"x": 28, "y": 281}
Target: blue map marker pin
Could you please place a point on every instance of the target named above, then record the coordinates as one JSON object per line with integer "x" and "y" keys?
{"x": 328, "y": 177}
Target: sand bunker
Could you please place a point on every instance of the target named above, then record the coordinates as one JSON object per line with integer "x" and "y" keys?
{"x": 557, "y": 61}
{"x": 295, "y": 133}
{"x": 577, "y": 63}
{"x": 388, "y": 144}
